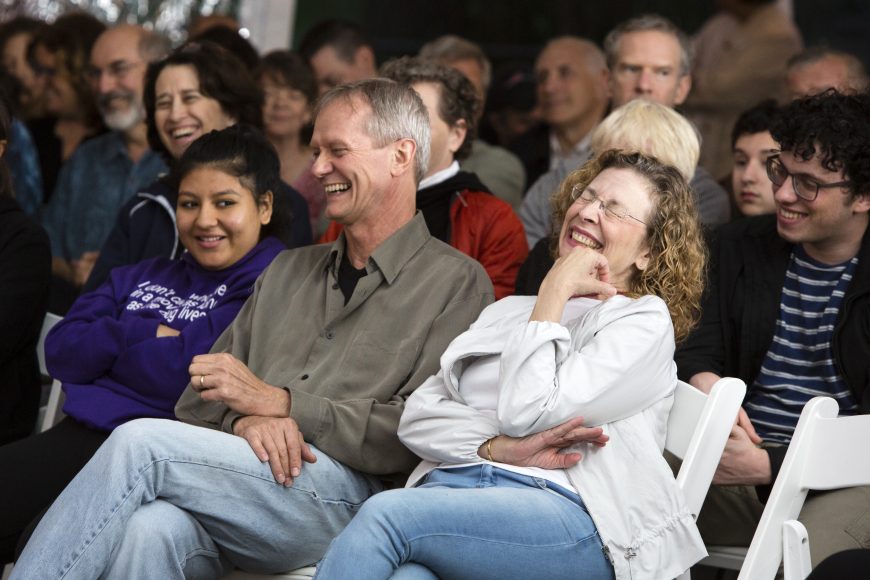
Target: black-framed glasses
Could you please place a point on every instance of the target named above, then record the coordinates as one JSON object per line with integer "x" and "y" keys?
{"x": 805, "y": 187}
{"x": 612, "y": 209}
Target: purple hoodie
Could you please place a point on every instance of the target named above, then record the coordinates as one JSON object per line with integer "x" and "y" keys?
{"x": 106, "y": 351}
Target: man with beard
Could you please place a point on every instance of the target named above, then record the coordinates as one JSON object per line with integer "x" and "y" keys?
{"x": 107, "y": 170}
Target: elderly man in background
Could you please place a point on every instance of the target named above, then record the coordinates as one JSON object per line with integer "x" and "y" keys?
{"x": 572, "y": 94}
{"x": 649, "y": 58}
{"x": 330, "y": 344}
{"x": 105, "y": 171}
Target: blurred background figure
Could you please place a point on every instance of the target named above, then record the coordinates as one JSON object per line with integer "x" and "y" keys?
{"x": 25, "y": 270}
{"x": 752, "y": 144}
{"x": 741, "y": 54}
{"x": 497, "y": 167}
{"x": 819, "y": 68}
{"x": 289, "y": 92}
{"x": 15, "y": 37}
{"x": 338, "y": 53}
{"x": 59, "y": 54}
{"x": 511, "y": 110}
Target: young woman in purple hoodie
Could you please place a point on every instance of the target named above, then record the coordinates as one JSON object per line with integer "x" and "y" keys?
{"x": 123, "y": 350}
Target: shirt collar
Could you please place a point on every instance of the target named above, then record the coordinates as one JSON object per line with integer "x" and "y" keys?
{"x": 393, "y": 253}
{"x": 440, "y": 176}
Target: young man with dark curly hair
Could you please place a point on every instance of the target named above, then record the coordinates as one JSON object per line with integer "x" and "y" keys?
{"x": 788, "y": 311}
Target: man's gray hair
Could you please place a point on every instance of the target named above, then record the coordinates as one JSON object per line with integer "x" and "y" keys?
{"x": 644, "y": 23}
{"x": 449, "y": 48}
{"x": 397, "y": 113}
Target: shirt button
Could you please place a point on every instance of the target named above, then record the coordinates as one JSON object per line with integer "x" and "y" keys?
{"x": 330, "y": 335}
{"x": 304, "y": 377}
{"x": 335, "y": 286}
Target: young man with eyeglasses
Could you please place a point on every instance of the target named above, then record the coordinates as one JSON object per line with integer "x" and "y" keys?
{"x": 107, "y": 170}
{"x": 788, "y": 311}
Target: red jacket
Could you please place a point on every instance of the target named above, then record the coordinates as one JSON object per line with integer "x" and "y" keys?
{"x": 485, "y": 228}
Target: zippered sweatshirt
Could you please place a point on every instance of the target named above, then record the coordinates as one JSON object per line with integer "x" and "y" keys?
{"x": 106, "y": 351}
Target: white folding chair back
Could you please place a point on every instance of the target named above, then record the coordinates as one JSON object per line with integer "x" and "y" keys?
{"x": 300, "y": 574}
{"x": 698, "y": 429}
{"x": 818, "y": 457}
{"x": 51, "y": 413}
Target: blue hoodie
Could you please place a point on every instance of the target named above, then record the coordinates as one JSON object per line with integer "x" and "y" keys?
{"x": 106, "y": 351}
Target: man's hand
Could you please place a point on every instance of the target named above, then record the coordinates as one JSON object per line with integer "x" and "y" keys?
{"x": 742, "y": 462}
{"x": 222, "y": 377}
{"x": 278, "y": 441}
{"x": 542, "y": 449}
{"x": 744, "y": 422}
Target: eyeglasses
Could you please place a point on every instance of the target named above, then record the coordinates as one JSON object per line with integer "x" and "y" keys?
{"x": 612, "y": 209}
{"x": 805, "y": 187}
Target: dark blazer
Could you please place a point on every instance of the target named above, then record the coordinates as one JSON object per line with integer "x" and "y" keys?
{"x": 25, "y": 273}
{"x": 748, "y": 261}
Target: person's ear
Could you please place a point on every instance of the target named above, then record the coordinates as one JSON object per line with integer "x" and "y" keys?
{"x": 642, "y": 261}
{"x": 364, "y": 60}
{"x": 456, "y": 136}
{"x": 403, "y": 156}
{"x": 265, "y": 205}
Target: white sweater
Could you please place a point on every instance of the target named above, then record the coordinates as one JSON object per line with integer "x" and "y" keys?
{"x": 613, "y": 365}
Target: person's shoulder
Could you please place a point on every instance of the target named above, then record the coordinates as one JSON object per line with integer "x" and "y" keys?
{"x": 763, "y": 226}
{"x": 16, "y": 226}
{"x": 445, "y": 263}
{"x": 651, "y": 309}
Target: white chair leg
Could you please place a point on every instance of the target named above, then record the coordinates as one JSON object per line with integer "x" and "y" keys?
{"x": 7, "y": 571}
{"x": 795, "y": 551}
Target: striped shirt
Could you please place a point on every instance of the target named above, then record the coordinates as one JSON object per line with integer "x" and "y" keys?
{"x": 799, "y": 364}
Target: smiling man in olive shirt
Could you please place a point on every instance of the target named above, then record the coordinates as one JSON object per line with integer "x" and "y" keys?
{"x": 330, "y": 344}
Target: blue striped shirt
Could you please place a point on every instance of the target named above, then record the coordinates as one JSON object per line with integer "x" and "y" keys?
{"x": 799, "y": 364}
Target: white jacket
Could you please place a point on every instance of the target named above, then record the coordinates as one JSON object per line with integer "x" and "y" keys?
{"x": 614, "y": 366}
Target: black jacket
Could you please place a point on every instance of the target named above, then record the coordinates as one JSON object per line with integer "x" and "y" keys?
{"x": 145, "y": 228}
{"x": 25, "y": 272}
{"x": 748, "y": 261}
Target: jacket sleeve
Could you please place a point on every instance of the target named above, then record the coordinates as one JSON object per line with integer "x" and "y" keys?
{"x": 439, "y": 428}
{"x": 503, "y": 248}
{"x": 704, "y": 349}
{"x": 354, "y": 431}
{"x": 88, "y": 341}
{"x": 623, "y": 366}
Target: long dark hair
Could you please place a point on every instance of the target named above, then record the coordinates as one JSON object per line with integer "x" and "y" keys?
{"x": 222, "y": 77}
{"x": 5, "y": 122}
{"x": 243, "y": 152}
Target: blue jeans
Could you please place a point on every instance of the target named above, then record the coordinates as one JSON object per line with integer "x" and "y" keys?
{"x": 161, "y": 499}
{"x": 472, "y": 522}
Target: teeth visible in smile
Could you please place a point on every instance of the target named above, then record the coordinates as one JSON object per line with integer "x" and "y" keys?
{"x": 181, "y": 133}
{"x": 585, "y": 240}
{"x": 336, "y": 187}
{"x": 210, "y": 238}
{"x": 790, "y": 215}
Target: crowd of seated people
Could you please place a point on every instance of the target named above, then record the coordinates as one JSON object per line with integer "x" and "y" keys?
{"x": 231, "y": 405}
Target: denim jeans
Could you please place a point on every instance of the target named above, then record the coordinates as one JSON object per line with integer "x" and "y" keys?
{"x": 161, "y": 499}
{"x": 471, "y": 522}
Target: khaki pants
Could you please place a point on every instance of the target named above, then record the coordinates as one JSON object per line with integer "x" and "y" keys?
{"x": 836, "y": 520}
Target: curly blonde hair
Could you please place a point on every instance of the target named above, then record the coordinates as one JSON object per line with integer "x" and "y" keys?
{"x": 676, "y": 272}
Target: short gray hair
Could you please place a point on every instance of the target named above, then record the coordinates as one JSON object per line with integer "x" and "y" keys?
{"x": 397, "y": 113}
{"x": 644, "y": 23}
{"x": 449, "y": 48}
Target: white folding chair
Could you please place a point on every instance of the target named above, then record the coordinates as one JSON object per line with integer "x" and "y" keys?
{"x": 817, "y": 458}
{"x": 300, "y": 574}
{"x": 51, "y": 413}
{"x": 698, "y": 428}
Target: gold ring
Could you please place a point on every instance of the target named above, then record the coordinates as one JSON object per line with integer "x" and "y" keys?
{"x": 201, "y": 379}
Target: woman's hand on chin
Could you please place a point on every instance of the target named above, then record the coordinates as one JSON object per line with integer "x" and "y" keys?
{"x": 581, "y": 272}
{"x": 543, "y": 449}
